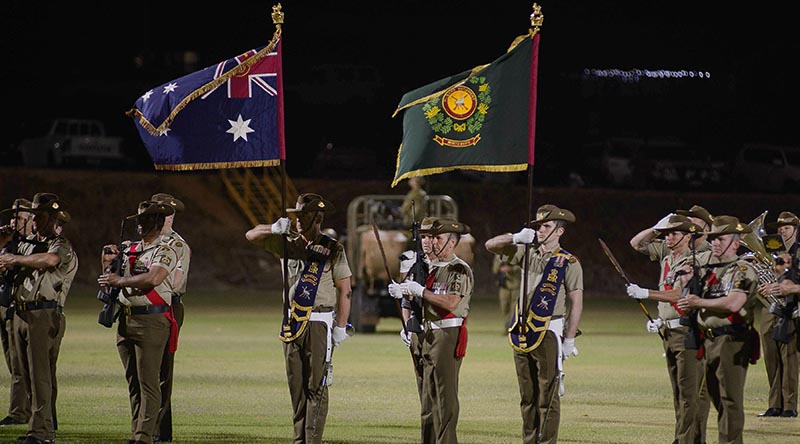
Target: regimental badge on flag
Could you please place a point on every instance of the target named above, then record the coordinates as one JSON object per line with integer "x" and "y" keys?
{"x": 482, "y": 119}
{"x": 229, "y": 115}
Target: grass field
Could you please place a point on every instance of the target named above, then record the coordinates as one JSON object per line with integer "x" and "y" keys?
{"x": 230, "y": 384}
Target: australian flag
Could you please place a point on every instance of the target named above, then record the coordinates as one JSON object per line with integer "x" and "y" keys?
{"x": 229, "y": 115}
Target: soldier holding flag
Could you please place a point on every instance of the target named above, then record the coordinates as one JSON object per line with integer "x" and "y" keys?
{"x": 557, "y": 278}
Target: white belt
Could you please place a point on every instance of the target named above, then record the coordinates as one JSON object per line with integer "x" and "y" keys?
{"x": 557, "y": 327}
{"x": 673, "y": 323}
{"x": 446, "y": 323}
{"x": 327, "y": 318}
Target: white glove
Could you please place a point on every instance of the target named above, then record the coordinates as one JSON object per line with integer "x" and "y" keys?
{"x": 405, "y": 336}
{"x": 654, "y": 325}
{"x": 568, "y": 348}
{"x": 525, "y": 236}
{"x": 663, "y": 222}
{"x": 412, "y": 288}
{"x": 339, "y": 335}
{"x": 637, "y": 292}
{"x": 395, "y": 290}
{"x": 411, "y": 259}
{"x": 281, "y": 226}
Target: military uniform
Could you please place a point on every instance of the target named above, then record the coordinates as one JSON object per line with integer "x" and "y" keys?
{"x": 444, "y": 334}
{"x": 39, "y": 323}
{"x": 419, "y": 197}
{"x": 729, "y": 341}
{"x": 781, "y": 357}
{"x": 146, "y": 328}
{"x": 539, "y": 369}
{"x": 508, "y": 283}
{"x": 19, "y": 407}
{"x": 184, "y": 252}
{"x": 309, "y": 332}
{"x": 684, "y": 366}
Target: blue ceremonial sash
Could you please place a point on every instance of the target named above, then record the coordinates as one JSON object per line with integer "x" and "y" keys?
{"x": 541, "y": 307}
{"x": 305, "y": 293}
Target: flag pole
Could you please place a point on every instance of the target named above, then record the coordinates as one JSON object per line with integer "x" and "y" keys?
{"x": 537, "y": 18}
{"x": 277, "y": 19}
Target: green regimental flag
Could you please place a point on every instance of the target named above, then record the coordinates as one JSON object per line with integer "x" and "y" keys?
{"x": 482, "y": 119}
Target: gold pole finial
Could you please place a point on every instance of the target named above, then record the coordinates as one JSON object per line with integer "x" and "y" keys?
{"x": 277, "y": 15}
{"x": 537, "y": 18}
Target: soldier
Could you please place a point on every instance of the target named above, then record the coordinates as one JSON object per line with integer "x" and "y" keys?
{"x": 20, "y": 226}
{"x": 538, "y": 348}
{"x": 412, "y": 335}
{"x": 670, "y": 243}
{"x": 320, "y": 305}
{"x": 509, "y": 278}
{"x": 47, "y": 267}
{"x": 780, "y": 350}
{"x": 724, "y": 313}
{"x": 181, "y": 247}
{"x": 148, "y": 325}
{"x": 419, "y": 197}
{"x": 445, "y": 301}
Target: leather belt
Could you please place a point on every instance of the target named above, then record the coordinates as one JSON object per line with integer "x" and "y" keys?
{"x": 445, "y": 323}
{"x": 177, "y": 299}
{"x": 673, "y": 323}
{"x": 35, "y": 305}
{"x": 146, "y": 309}
{"x": 732, "y": 329}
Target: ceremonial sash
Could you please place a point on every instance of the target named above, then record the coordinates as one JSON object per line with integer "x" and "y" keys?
{"x": 305, "y": 293}
{"x": 541, "y": 307}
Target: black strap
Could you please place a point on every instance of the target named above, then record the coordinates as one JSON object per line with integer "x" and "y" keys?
{"x": 36, "y": 305}
{"x": 146, "y": 309}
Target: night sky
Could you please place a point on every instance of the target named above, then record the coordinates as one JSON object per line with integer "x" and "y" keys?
{"x": 347, "y": 64}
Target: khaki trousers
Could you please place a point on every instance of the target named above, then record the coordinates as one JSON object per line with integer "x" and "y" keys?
{"x": 537, "y": 373}
{"x": 305, "y": 369}
{"x": 19, "y": 402}
{"x": 727, "y": 359}
{"x": 440, "y": 370}
{"x": 427, "y": 429}
{"x": 164, "y": 424}
{"x": 689, "y": 395}
{"x": 781, "y": 361}
{"x": 140, "y": 342}
{"x": 38, "y": 335}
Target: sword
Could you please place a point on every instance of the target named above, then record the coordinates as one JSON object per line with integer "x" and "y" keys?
{"x": 386, "y": 267}
{"x": 621, "y": 272}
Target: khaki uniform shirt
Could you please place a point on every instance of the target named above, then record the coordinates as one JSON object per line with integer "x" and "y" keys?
{"x": 420, "y": 206}
{"x": 512, "y": 279}
{"x": 336, "y": 267}
{"x": 48, "y": 284}
{"x": 178, "y": 243}
{"x": 670, "y": 264}
{"x": 159, "y": 254}
{"x": 452, "y": 277}
{"x": 573, "y": 280}
{"x": 738, "y": 275}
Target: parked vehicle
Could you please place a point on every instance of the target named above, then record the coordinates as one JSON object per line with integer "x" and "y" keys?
{"x": 371, "y": 300}
{"x": 72, "y": 142}
{"x": 764, "y": 167}
{"x": 674, "y": 165}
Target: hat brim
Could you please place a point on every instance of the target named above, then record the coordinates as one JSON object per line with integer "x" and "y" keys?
{"x": 568, "y": 217}
{"x": 776, "y": 225}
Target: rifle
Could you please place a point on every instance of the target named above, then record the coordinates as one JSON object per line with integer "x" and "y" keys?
{"x": 8, "y": 276}
{"x": 419, "y": 274}
{"x": 109, "y": 313}
{"x": 695, "y": 286}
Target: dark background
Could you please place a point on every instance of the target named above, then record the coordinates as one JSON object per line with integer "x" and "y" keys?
{"x": 347, "y": 64}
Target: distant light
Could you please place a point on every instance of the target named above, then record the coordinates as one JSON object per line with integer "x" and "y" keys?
{"x": 635, "y": 75}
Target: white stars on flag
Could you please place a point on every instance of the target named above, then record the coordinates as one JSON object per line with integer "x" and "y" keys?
{"x": 240, "y": 128}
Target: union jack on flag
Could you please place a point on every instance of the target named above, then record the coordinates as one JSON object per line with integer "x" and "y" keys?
{"x": 228, "y": 115}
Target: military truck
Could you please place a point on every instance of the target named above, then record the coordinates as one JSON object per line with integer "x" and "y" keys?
{"x": 371, "y": 300}
{"x": 72, "y": 142}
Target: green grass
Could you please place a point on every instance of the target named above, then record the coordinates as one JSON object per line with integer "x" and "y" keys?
{"x": 230, "y": 384}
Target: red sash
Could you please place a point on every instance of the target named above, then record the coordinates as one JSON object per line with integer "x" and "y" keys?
{"x": 461, "y": 343}
{"x": 156, "y": 299}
